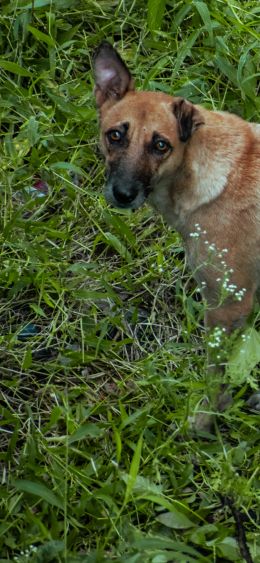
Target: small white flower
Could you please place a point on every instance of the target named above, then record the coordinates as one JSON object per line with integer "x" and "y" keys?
{"x": 194, "y": 235}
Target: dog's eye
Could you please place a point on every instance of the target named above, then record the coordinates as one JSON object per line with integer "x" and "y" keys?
{"x": 114, "y": 136}
{"x": 161, "y": 146}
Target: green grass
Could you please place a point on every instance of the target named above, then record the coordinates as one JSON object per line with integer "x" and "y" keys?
{"x": 102, "y": 346}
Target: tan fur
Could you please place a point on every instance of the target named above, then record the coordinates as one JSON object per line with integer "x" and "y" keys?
{"x": 210, "y": 179}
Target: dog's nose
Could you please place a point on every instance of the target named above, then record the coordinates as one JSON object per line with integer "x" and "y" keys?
{"x": 124, "y": 195}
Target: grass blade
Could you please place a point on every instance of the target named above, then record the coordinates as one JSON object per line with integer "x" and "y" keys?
{"x": 134, "y": 468}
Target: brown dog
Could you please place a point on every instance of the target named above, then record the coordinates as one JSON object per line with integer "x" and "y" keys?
{"x": 199, "y": 168}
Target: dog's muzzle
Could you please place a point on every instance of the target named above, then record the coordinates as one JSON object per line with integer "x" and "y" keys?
{"x": 125, "y": 195}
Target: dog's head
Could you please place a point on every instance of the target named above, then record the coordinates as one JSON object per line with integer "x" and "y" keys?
{"x": 143, "y": 134}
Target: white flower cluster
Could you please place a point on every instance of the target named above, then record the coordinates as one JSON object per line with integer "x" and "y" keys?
{"x": 240, "y": 294}
{"x": 231, "y": 288}
{"x": 159, "y": 268}
{"x": 197, "y": 232}
{"x": 216, "y": 337}
{"x": 245, "y": 337}
{"x": 228, "y": 288}
{"x": 26, "y": 553}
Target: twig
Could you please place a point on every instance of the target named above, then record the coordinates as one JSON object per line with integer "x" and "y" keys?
{"x": 240, "y": 530}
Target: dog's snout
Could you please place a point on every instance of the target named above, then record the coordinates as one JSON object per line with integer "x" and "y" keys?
{"x": 124, "y": 196}
{"x": 124, "y": 190}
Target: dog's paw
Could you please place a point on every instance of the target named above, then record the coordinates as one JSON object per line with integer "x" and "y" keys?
{"x": 204, "y": 418}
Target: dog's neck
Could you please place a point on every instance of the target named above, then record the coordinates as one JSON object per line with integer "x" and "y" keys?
{"x": 193, "y": 185}
{"x": 200, "y": 179}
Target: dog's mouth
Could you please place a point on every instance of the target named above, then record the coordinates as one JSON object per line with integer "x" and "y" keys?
{"x": 125, "y": 197}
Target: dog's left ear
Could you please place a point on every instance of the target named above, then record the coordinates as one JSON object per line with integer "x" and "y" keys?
{"x": 188, "y": 117}
{"x": 112, "y": 77}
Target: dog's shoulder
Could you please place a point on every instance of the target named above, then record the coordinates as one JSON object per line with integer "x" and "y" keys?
{"x": 256, "y": 129}
{"x": 231, "y": 122}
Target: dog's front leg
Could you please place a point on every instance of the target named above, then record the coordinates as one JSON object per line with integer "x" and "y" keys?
{"x": 232, "y": 314}
{"x": 224, "y": 320}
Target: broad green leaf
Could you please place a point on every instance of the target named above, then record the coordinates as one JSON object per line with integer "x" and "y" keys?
{"x": 118, "y": 442}
{"x": 130, "y": 419}
{"x": 201, "y": 533}
{"x": 67, "y": 107}
{"x": 4, "y": 527}
{"x": 81, "y": 267}
{"x": 134, "y": 468}
{"x": 155, "y": 12}
{"x": 39, "y": 490}
{"x": 204, "y": 13}
{"x": 15, "y": 68}
{"x": 38, "y": 310}
{"x": 89, "y": 430}
{"x": 242, "y": 63}
{"x": 229, "y": 549}
{"x": 175, "y": 519}
{"x": 41, "y": 36}
{"x": 88, "y": 294}
{"x": 161, "y": 542}
{"x": 67, "y": 166}
{"x": 27, "y": 361}
{"x": 37, "y": 4}
{"x": 56, "y": 414}
{"x": 52, "y": 233}
{"x": 48, "y": 300}
{"x": 32, "y": 130}
{"x": 170, "y": 556}
{"x": 226, "y": 68}
{"x": 49, "y": 550}
{"x": 108, "y": 500}
{"x": 244, "y": 357}
{"x": 181, "y": 15}
{"x": 170, "y": 506}
{"x": 143, "y": 485}
{"x": 121, "y": 227}
{"x": 185, "y": 49}
{"x": 118, "y": 246}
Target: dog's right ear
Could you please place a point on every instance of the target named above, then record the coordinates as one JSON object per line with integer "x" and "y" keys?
{"x": 188, "y": 117}
{"x": 112, "y": 77}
